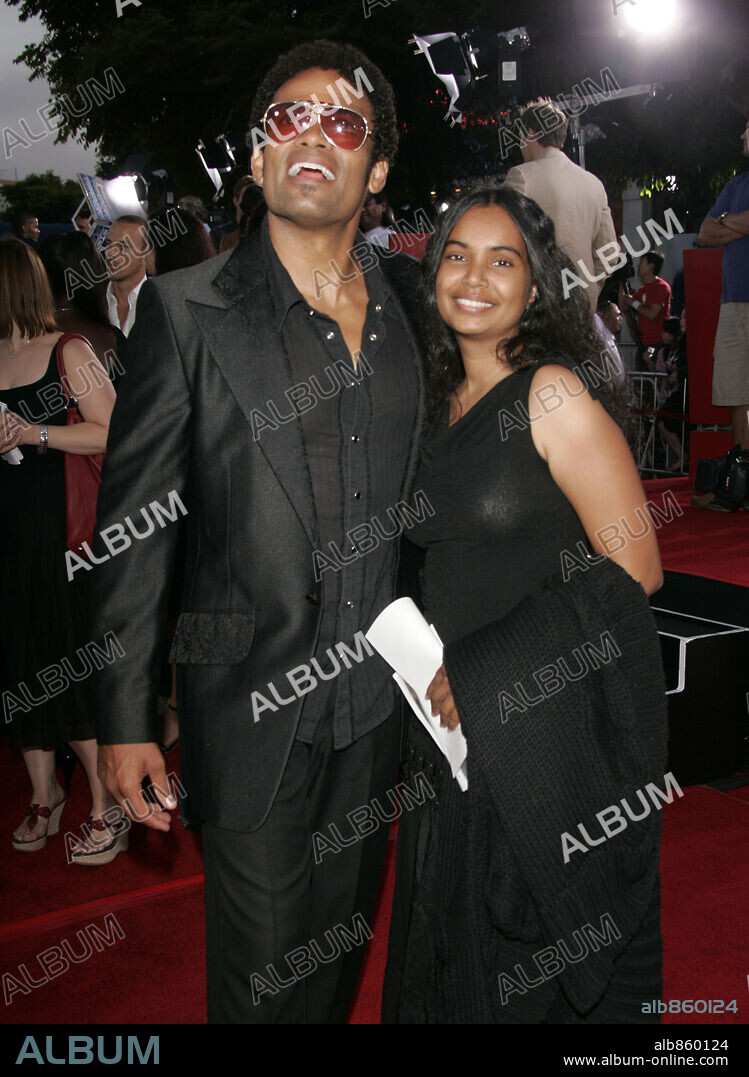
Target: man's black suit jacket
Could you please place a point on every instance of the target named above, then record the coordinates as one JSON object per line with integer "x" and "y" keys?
{"x": 203, "y": 357}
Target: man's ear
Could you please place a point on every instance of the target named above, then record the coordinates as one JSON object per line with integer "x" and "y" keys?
{"x": 256, "y": 165}
{"x": 378, "y": 176}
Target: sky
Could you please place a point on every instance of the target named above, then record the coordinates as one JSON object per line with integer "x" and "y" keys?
{"x": 19, "y": 99}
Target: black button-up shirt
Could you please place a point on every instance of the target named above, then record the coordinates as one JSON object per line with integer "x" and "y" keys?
{"x": 357, "y": 438}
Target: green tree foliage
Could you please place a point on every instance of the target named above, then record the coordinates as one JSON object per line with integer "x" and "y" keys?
{"x": 190, "y": 68}
{"x": 45, "y": 195}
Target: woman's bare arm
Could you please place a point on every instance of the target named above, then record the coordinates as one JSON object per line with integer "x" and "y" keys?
{"x": 592, "y": 465}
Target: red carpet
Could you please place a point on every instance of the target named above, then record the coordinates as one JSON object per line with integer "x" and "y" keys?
{"x": 700, "y": 542}
{"x": 155, "y": 973}
{"x": 704, "y": 887}
{"x": 46, "y": 877}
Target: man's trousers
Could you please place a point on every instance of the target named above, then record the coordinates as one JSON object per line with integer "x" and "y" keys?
{"x": 288, "y": 915}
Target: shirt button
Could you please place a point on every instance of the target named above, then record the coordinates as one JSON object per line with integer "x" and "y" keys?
{"x": 351, "y": 549}
{"x": 330, "y": 335}
{"x": 378, "y": 308}
{"x": 373, "y": 336}
{"x": 349, "y": 605}
{"x": 311, "y": 313}
{"x": 354, "y": 437}
{"x": 357, "y": 495}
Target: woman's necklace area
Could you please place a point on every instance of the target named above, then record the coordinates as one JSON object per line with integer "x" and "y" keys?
{"x": 26, "y": 340}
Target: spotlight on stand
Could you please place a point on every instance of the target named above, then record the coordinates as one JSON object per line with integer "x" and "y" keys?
{"x": 450, "y": 64}
{"x": 649, "y": 17}
{"x": 126, "y": 194}
{"x": 583, "y": 133}
{"x": 217, "y": 158}
{"x": 461, "y": 61}
{"x": 132, "y": 193}
{"x": 627, "y": 18}
{"x": 509, "y": 46}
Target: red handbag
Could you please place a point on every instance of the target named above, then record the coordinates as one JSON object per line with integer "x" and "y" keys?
{"x": 82, "y": 473}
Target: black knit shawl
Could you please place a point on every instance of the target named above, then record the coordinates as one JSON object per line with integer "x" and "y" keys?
{"x": 505, "y": 884}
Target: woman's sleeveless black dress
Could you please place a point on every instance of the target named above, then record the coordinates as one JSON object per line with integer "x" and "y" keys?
{"x": 499, "y": 527}
{"x": 500, "y": 521}
{"x": 44, "y": 615}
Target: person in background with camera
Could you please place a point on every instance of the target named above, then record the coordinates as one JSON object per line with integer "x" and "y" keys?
{"x": 651, "y": 302}
{"x": 46, "y": 616}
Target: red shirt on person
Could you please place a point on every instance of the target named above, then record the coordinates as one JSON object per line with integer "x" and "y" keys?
{"x": 651, "y": 329}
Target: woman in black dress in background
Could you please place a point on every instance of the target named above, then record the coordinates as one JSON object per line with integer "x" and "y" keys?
{"x": 524, "y": 467}
{"x": 71, "y": 260}
{"x": 44, "y": 623}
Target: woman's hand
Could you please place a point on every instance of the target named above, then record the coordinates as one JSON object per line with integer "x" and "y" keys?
{"x": 441, "y": 698}
{"x": 14, "y": 431}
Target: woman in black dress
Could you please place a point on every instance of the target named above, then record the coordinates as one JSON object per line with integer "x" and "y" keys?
{"x": 530, "y": 479}
{"x": 44, "y": 630}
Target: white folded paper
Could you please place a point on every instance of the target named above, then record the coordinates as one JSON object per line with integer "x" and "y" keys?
{"x": 13, "y": 456}
{"x": 414, "y": 650}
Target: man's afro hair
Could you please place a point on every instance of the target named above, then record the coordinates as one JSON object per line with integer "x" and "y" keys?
{"x": 334, "y": 56}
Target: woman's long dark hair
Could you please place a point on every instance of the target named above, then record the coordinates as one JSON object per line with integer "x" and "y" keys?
{"x": 551, "y": 327}
{"x": 75, "y": 252}
{"x": 189, "y": 246}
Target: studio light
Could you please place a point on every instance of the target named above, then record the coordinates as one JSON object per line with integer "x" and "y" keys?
{"x": 649, "y": 17}
{"x": 217, "y": 157}
{"x": 461, "y": 61}
{"x": 124, "y": 195}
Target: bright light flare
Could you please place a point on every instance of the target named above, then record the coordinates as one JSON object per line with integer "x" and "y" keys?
{"x": 650, "y": 17}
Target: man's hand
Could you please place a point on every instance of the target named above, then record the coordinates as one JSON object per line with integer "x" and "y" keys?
{"x": 122, "y": 768}
{"x": 714, "y": 234}
{"x": 441, "y": 698}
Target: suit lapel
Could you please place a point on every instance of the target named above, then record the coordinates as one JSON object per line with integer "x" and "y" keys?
{"x": 246, "y": 346}
{"x": 403, "y": 275}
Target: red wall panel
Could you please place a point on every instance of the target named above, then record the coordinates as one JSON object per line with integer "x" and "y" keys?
{"x": 702, "y": 286}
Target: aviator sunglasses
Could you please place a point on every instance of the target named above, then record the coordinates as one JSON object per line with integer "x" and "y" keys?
{"x": 342, "y": 127}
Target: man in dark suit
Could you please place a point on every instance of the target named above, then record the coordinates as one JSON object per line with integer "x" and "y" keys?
{"x": 277, "y": 391}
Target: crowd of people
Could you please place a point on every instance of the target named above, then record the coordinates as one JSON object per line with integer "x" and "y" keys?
{"x": 177, "y": 368}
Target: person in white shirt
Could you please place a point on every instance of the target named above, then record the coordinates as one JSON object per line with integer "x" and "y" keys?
{"x": 574, "y": 199}
{"x": 125, "y": 258}
{"x": 608, "y": 323}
